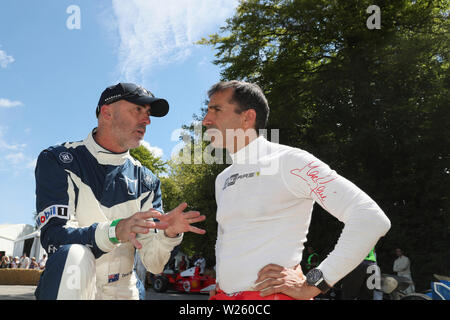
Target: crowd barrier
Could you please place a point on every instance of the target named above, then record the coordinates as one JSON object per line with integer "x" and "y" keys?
{"x": 24, "y": 277}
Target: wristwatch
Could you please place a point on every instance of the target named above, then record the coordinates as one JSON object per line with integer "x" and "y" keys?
{"x": 315, "y": 278}
{"x": 112, "y": 231}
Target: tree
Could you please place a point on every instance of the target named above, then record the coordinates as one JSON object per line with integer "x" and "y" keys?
{"x": 373, "y": 104}
{"x": 149, "y": 160}
{"x": 194, "y": 182}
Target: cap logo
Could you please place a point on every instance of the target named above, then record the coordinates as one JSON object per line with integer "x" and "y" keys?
{"x": 113, "y": 97}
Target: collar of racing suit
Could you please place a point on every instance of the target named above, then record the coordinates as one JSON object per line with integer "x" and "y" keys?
{"x": 251, "y": 152}
{"x": 103, "y": 155}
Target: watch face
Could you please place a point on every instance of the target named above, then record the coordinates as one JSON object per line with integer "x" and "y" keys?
{"x": 313, "y": 276}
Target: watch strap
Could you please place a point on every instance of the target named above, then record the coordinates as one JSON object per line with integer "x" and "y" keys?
{"x": 112, "y": 231}
{"x": 323, "y": 286}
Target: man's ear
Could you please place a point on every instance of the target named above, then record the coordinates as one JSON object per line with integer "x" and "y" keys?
{"x": 106, "y": 111}
{"x": 249, "y": 119}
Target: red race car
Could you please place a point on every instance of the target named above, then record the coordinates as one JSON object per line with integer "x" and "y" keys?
{"x": 189, "y": 280}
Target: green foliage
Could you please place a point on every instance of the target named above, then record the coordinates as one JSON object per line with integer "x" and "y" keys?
{"x": 147, "y": 159}
{"x": 373, "y": 104}
{"x": 193, "y": 183}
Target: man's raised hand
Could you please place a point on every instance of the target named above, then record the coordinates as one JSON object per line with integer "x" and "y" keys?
{"x": 173, "y": 223}
{"x": 180, "y": 222}
{"x": 128, "y": 228}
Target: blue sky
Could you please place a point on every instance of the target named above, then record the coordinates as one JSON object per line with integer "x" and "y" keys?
{"x": 52, "y": 75}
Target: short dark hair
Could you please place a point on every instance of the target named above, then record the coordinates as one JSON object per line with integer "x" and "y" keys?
{"x": 247, "y": 96}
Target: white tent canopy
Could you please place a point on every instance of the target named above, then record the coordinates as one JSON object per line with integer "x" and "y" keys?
{"x": 9, "y": 233}
{"x": 36, "y": 249}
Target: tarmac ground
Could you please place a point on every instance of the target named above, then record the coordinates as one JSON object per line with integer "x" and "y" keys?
{"x": 27, "y": 293}
{"x": 17, "y": 292}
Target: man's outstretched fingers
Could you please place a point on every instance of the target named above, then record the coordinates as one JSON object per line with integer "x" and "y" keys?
{"x": 197, "y": 230}
{"x": 137, "y": 229}
{"x": 180, "y": 222}
{"x": 151, "y": 213}
{"x": 161, "y": 225}
{"x": 191, "y": 214}
{"x": 198, "y": 219}
{"x": 194, "y": 216}
{"x": 134, "y": 241}
{"x": 181, "y": 206}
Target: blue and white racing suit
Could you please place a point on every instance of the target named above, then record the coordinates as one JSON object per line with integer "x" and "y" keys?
{"x": 80, "y": 189}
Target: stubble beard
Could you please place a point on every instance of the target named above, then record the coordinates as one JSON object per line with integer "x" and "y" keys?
{"x": 126, "y": 138}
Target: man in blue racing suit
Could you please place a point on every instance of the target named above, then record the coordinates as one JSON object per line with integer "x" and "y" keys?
{"x": 96, "y": 205}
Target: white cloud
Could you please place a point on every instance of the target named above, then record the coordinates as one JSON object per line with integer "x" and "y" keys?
{"x": 5, "y": 103}
{"x": 16, "y": 162}
{"x": 5, "y": 59}
{"x": 16, "y": 158}
{"x": 154, "y": 32}
{"x": 13, "y": 155}
{"x": 156, "y": 151}
{"x": 8, "y": 146}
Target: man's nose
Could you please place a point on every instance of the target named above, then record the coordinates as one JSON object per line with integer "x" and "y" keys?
{"x": 147, "y": 120}
{"x": 206, "y": 120}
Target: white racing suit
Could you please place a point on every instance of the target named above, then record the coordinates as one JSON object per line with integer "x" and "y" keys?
{"x": 80, "y": 189}
{"x": 264, "y": 206}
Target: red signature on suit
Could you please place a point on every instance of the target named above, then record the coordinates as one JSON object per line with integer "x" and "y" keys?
{"x": 311, "y": 175}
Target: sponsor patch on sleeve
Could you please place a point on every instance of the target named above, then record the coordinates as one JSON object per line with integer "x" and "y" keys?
{"x": 58, "y": 211}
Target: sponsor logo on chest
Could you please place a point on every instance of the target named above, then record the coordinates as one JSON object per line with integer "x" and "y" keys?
{"x": 115, "y": 277}
{"x": 232, "y": 180}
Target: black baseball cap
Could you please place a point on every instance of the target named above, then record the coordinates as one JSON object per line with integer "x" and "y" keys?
{"x": 134, "y": 94}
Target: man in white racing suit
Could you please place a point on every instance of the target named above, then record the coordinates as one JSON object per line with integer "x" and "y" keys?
{"x": 264, "y": 204}
{"x": 96, "y": 205}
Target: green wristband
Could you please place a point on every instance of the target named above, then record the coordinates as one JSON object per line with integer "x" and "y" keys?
{"x": 112, "y": 231}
